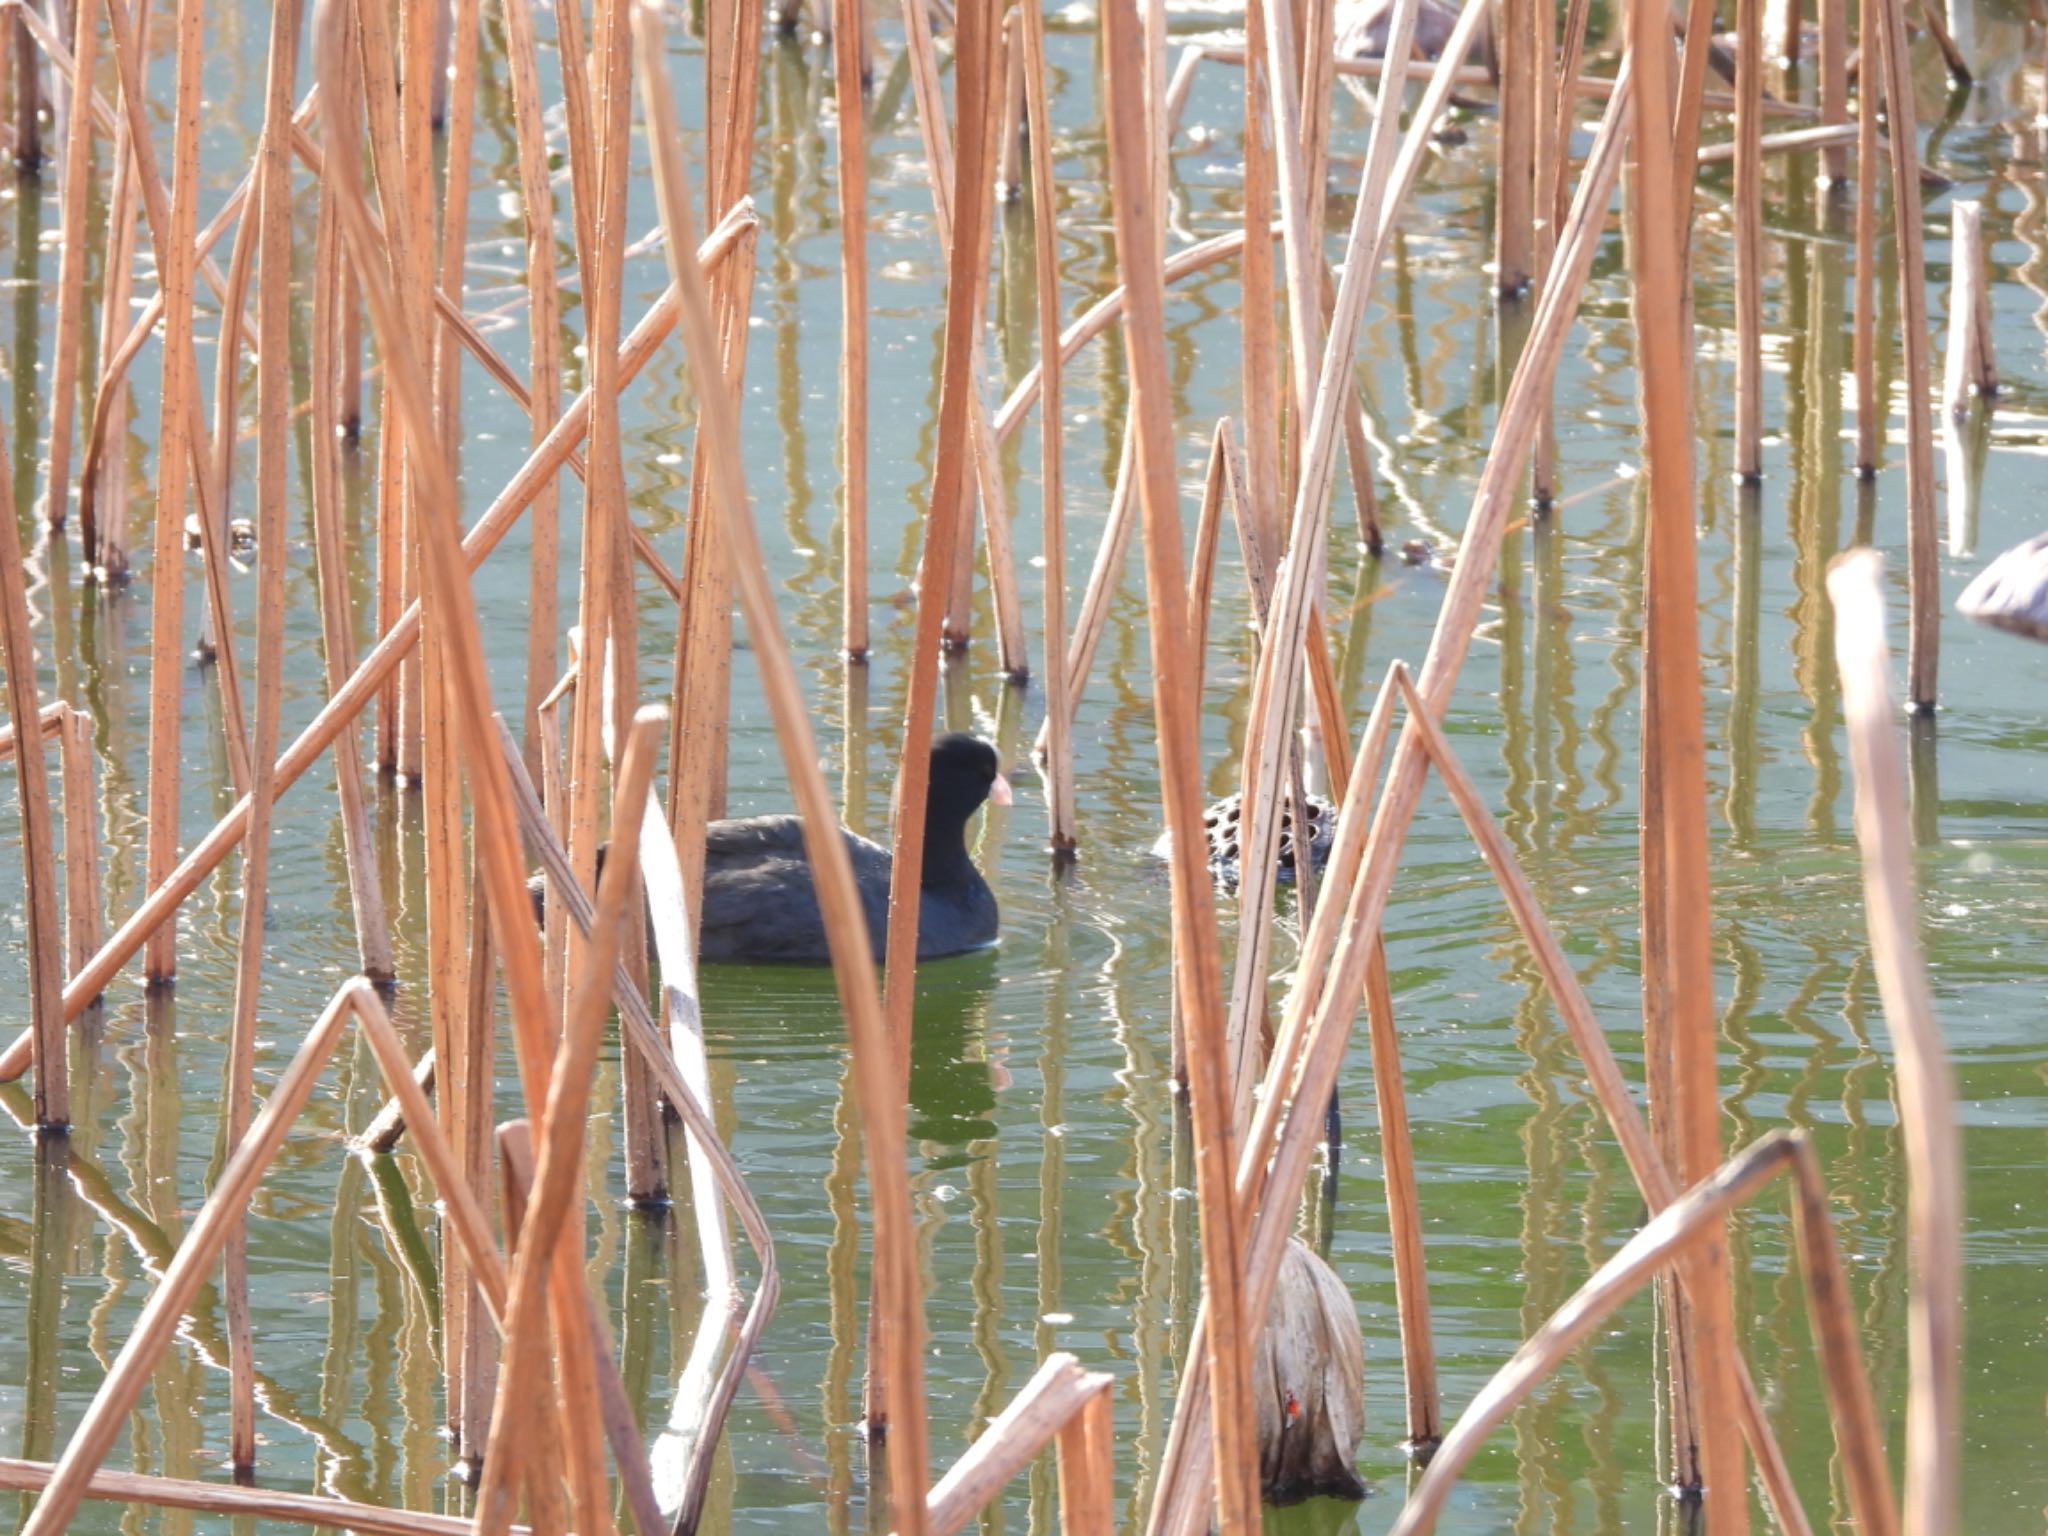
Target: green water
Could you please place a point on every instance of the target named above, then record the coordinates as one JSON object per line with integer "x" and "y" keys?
{"x": 1051, "y": 1188}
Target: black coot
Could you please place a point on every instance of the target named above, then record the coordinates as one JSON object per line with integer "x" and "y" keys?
{"x": 760, "y": 903}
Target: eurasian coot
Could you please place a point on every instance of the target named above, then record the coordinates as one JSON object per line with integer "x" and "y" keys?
{"x": 1223, "y": 822}
{"x": 760, "y": 903}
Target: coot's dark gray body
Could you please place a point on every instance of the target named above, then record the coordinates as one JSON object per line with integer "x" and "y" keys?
{"x": 761, "y": 904}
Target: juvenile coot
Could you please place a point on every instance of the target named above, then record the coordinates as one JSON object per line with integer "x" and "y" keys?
{"x": 1223, "y": 824}
{"x": 760, "y": 903}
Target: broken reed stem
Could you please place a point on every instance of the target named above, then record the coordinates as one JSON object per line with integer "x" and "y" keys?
{"x": 881, "y": 1101}
{"x": 537, "y": 207}
{"x": 38, "y": 845}
{"x": 1926, "y": 1085}
{"x": 1051, "y": 1407}
{"x": 1087, "y": 1468}
{"x": 272, "y": 212}
{"x": 1059, "y": 746}
{"x": 852, "y": 167}
{"x": 1971, "y": 370}
{"x": 71, "y": 272}
{"x": 1923, "y": 548}
{"x": 180, "y": 395}
{"x": 1199, "y": 961}
{"x": 1690, "y": 1223}
{"x": 1748, "y": 215}
{"x": 675, "y": 942}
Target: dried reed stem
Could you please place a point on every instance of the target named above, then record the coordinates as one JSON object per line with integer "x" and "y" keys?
{"x": 104, "y": 539}
{"x": 1646, "y": 1159}
{"x": 38, "y": 844}
{"x": 337, "y": 616}
{"x": 853, "y": 293}
{"x": 1691, "y": 1222}
{"x": 71, "y": 273}
{"x": 689, "y": 1096}
{"x": 537, "y": 207}
{"x": 1319, "y": 1013}
{"x": 1514, "y": 209}
{"x": 85, "y": 910}
{"x": 1748, "y": 215}
{"x": 188, "y": 1270}
{"x": 1677, "y": 934}
{"x": 1059, "y": 747}
{"x": 1934, "y": 1208}
{"x": 344, "y": 705}
{"x": 1278, "y": 683}
{"x": 1199, "y": 970}
{"x": 1261, "y": 383}
{"x": 494, "y": 830}
{"x": 882, "y": 1107}
{"x": 946, "y": 535}
{"x": 703, "y": 655}
{"x": 248, "y": 1503}
{"x": 180, "y": 395}
{"x": 1833, "y": 47}
{"x": 272, "y": 212}
{"x": 676, "y": 943}
{"x": 946, "y": 518}
{"x": 549, "y": 1268}
{"x": 1923, "y": 547}
{"x": 941, "y": 170}
{"x": 1869, "y": 424}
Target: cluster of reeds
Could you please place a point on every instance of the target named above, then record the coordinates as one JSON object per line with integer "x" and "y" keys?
{"x": 532, "y": 1385}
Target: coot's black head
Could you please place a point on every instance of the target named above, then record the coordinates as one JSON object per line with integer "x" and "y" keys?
{"x": 965, "y": 773}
